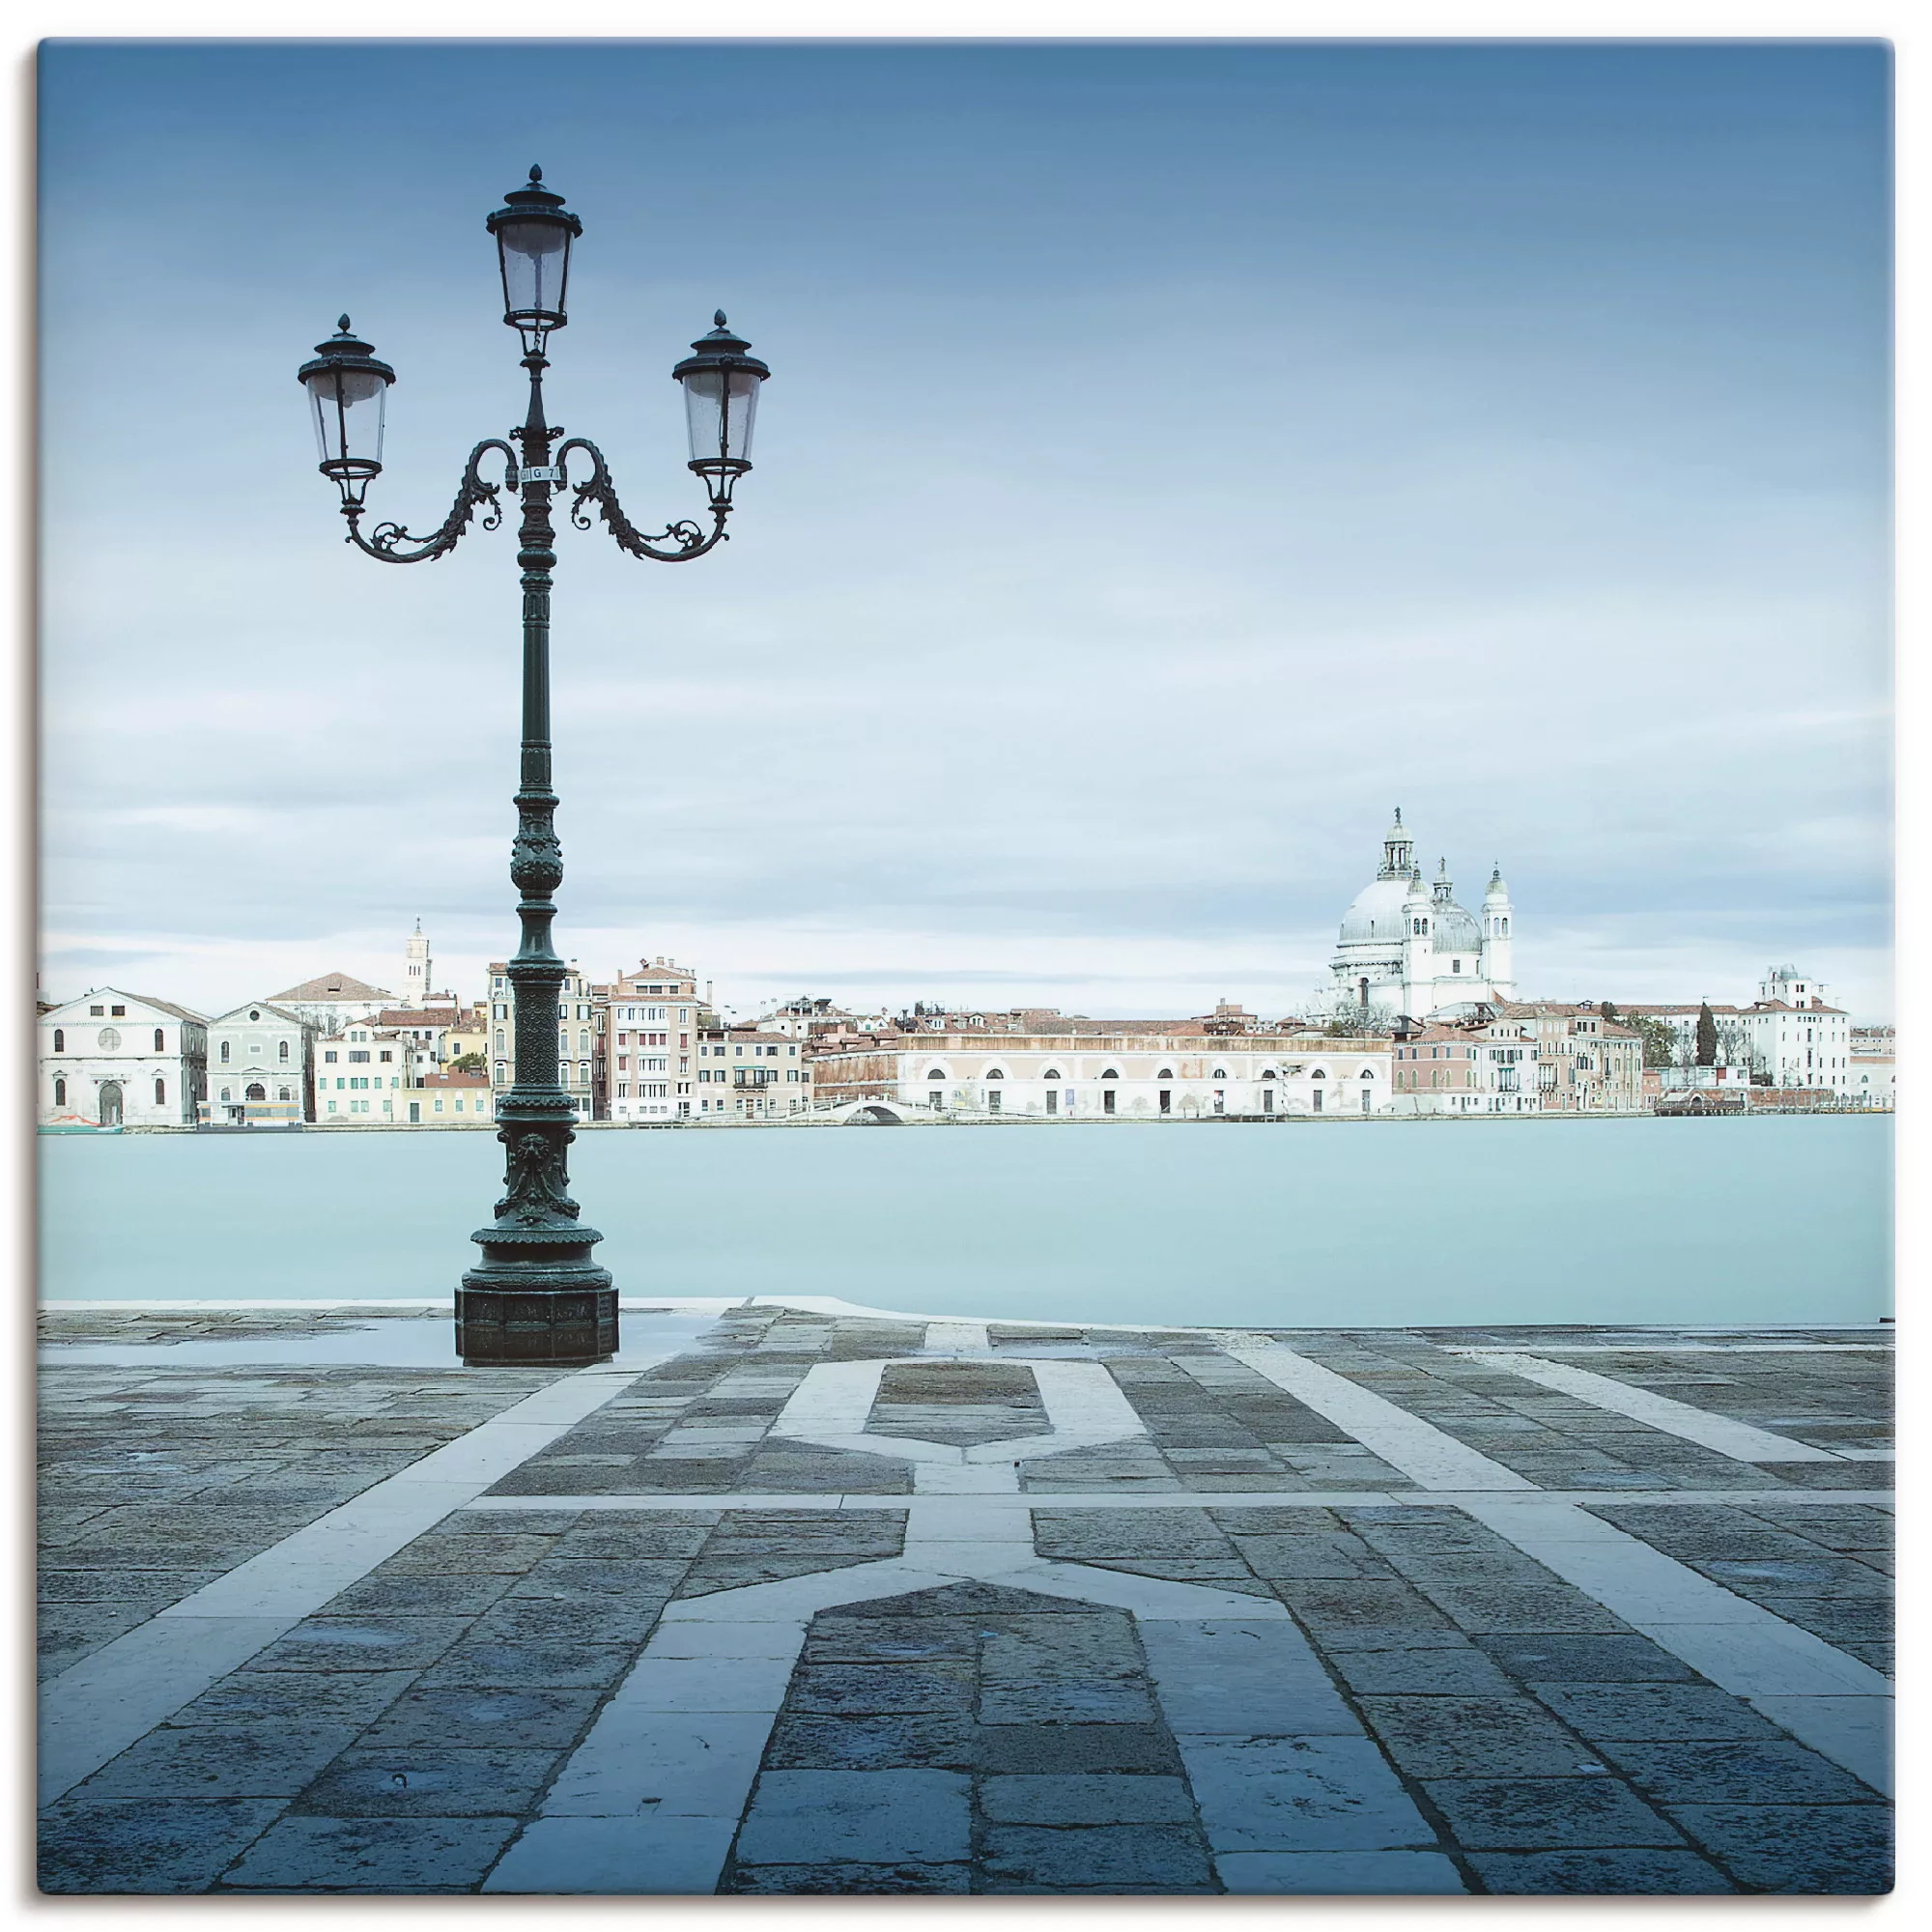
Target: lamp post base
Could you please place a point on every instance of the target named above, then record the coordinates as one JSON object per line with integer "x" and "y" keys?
{"x": 567, "y": 1324}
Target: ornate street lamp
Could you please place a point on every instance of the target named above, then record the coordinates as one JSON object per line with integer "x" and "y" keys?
{"x": 536, "y": 1295}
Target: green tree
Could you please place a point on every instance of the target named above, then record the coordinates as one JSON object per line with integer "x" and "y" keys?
{"x": 469, "y": 1063}
{"x": 1659, "y": 1038}
{"x": 1707, "y": 1035}
{"x": 1609, "y": 1011}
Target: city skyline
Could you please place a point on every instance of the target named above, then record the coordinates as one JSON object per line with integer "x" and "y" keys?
{"x": 1554, "y": 510}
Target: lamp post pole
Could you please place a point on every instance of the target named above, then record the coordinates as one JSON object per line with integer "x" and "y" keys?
{"x": 536, "y": 1295}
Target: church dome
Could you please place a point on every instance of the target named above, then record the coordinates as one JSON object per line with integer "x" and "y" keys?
{"x": 1375, "y": 918}
{"x": 1452, "y": 929}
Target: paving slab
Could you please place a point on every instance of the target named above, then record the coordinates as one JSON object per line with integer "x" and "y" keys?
{"x": 837, "y": 1606}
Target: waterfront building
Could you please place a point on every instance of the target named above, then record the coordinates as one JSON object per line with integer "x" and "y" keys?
{"x": 331, "y": 1000}
{"x": 114, "y": 1059}
{"x": 654, "y": 1015}
{"x": 1796, "y": 1037}
{"x": 261, "y": 1069}
{"x": 1129, "y": 1075}
{"x": 745, "y": 1073}
{"x": 579, "y": 1038}
{"x": 361, "y": 1076}
{"x": 1410, "y": 947}
{"x": 429, "y": 1030}
{"x": 449, "y": 1100}
{"x": 1485, "y": 1067}
{"x": 1874, "y": 1081}
{"x": 1585, "y": 1063}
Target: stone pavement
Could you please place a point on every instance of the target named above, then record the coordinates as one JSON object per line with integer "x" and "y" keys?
{"x": 788, "y": 1601}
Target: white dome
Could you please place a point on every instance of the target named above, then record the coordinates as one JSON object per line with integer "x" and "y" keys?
{"x": 1453, "y": 930}
{"x": 1375, "y": 918}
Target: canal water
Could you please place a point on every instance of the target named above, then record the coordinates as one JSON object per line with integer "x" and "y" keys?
{"x": 1775, "y": 1220}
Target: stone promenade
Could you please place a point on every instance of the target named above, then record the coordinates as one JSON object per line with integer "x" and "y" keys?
{"x": 794, "y": 1602}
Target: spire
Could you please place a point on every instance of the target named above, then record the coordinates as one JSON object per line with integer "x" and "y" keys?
{"x": 1497, "y": 889}
{"x": 1444, "y": 888}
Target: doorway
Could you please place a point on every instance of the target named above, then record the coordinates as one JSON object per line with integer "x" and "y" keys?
{"x": 110, "y": 1104}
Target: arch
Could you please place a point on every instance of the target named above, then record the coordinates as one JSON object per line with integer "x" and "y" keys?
{"x": 160, "y": 1041}
{"x": 1368, "y": 1073}
{"x": 936, "y": 1074}
{"x": 60, "y": 1093}
{"x": 1051, "y": 1073}
{"x": 282, "y": 1094}
{"x": 994, "y": 1073}
{"x": 160, "y": 1092}
{"x": 1110, "y": 1073}
{"x": 224, "y": 1053}
{"x": 1267, "y": 1073}
{"x": 283, "y": 1054}
{"x": 109, "y": 1102}
{"x": 60, "y": 1039}
{"x": 227, "y": 1095}
{"x": 1220, "y": 1073}
{"x": 1320, "y": 1073}
{"x": 1165, "y": 1073}
{"x": 254, "y": 1090}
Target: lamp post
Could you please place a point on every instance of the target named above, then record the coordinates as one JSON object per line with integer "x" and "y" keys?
{"x": 536, "y": 1295}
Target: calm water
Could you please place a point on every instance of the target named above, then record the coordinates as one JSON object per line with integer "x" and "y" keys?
{"x": 1785, "y": 1218}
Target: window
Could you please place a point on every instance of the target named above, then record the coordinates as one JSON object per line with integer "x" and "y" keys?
{"x": 282, "y": 1094}
{"x": 1165, "y": 1073}
{"x": 1110, "y": 1073}
{"x": 329, "y": 1058}
{"x": 1051, "y": 1073}
{"x": 160, "y": 1041}
{"x": 253, "y": 1014}
{"x": 110, "y": 1038}
{"x": 117, "y": 1012}
{"x": 224, "y": 1053}
{"x": 384, "y": 1055}
{"x": 283, "y": 1054}
{"x": 1108, "y": 1096}
{"x": 160, "y": 1092}
{"x": 98, "y": 1013}
{"x": 1220, "y": 1073}
{"x": 1454, "y": 965}
{"x": 60, "y": 1093}
{"x": 60, "y": 1039}
{"x": 254, "y": 1090}
{"x": 357, "y": 1057}
{"x": 225, "y": 1094}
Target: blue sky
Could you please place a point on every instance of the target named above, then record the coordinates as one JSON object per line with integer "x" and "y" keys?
{"x": 1175, "y": 457}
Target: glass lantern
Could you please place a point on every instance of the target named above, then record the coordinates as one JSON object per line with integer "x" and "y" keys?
{"x": 348, "y": 393}
{"x": 720, "y": 404}
{"x": 534, "y": 231}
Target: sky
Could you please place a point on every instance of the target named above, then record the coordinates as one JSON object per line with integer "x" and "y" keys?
{"x": 1175, "y": 457}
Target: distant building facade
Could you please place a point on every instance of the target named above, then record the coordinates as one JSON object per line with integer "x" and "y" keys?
{"x": 1585, "y": 1063}
{"x": 112, "y": 1058}
{"x": 449, "y": 1100}
{"x": 1099, "y": 1076}
{"x": 1796, "y": 1037}
{"x": 361, "y": 1073}
{"x": 1488, "y": 1066}
{"x": 654, "y": 1016}
{"x": 745, "y": 1073}
{"x": 261, "y": 1069}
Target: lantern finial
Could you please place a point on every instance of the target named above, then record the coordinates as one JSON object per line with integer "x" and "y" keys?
{"x": 342, "y": 323}
{"x": 536, "y": 173}
{"x": 717, "y": 317}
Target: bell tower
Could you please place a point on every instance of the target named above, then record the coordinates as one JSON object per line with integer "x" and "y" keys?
{"x": 1397, "y": 851}
{"x": 416, "y": 968}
